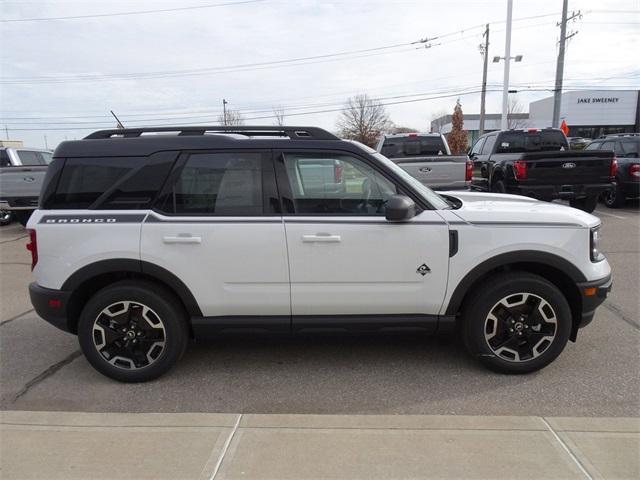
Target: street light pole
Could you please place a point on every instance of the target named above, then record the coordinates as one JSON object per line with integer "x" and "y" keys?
{"x": 224, "y": 112}
{"x": 507, "y": 63}
{"x": 485, "y": 51}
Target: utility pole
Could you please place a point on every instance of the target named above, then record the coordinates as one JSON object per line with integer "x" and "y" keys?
{"x": 6, "y": 131}
{"x": 224, "y": 112}
{"x": 557, "y": 92}
{"x": 485, "y": 52}
{"x": 507, "y": 64}
{"x": 45, "y": 143}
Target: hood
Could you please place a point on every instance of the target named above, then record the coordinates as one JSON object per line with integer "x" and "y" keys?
{"x": 500, "y": 207}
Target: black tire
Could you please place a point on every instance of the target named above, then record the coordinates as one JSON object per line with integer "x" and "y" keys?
{"x": 614, "y": 198}
{"x": 23, "y": 216}
{"x": 157, "y": 348}
{"x": 507, "y": 352}
{"x": 587, "y": 204}
{"x": 498, "y": 186}
{"x": 6, "y": 217}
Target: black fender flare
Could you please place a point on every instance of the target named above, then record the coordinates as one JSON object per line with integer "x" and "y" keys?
{"x": 505, "y": 259}
{"x": 120, "y": 265}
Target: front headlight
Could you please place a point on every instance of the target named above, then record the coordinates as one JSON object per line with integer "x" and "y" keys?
{"x": 594, "y": 245}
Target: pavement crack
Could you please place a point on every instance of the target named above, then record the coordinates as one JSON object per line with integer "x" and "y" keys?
{"x": 46, "y": 374}
{"x": 616, "y": 310}
{"x": 15, "y": 318}
{"x": 13, "y": 239}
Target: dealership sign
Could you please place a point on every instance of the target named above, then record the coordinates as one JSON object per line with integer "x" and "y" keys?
{"x": 598, "y": 99}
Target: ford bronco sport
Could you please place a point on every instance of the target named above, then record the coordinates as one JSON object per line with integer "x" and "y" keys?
{"x": 145, "y": 238}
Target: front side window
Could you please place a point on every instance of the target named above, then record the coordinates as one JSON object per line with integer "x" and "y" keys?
{"x": 478, "y": 146}
{"x": 336, "y": 185}
{"x": 218, "y": 184}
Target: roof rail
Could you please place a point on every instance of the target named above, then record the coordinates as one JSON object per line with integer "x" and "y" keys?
{"x": 294, "y": 133}
{"x": 609, "y": 135}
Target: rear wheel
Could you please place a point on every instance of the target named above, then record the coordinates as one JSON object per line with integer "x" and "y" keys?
{"x": 614, "y": 198}
{"x": 23, "y": 216}
{"x": 519, "y": 324}
{"x": 498, "y": 186}
{"x": 587, "y": 204}
{"x": 133, "y": 331}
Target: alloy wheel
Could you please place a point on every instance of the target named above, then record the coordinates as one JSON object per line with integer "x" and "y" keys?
{"x": 520, "y": 327}
{"x": 129, "y": 335}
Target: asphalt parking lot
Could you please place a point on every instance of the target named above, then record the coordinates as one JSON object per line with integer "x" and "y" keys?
{"x": 41, "y": 367}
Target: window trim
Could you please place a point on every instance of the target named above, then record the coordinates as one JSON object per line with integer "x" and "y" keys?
{"x": 269, "y": 186}
{"x": 286, "y": 195}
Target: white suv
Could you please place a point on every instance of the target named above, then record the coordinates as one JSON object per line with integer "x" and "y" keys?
{"x": 145, "y": 238}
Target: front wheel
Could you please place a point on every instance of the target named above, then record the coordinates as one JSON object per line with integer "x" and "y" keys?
{"x": 519, "y": 324}
{"x": 133, "y": 331}
{"x": 587, "y": 204}
{"x": 6, "y": 217}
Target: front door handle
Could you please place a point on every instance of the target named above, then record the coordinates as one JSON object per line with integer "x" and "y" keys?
{"x": 182, "y": 238}
{"x": 321, "y": 238}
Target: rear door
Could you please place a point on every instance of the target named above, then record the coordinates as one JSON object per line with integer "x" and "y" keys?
{"x": 217, "y": 227}
{"x": 481, "y": 168}
{"x": 347, "y": 262}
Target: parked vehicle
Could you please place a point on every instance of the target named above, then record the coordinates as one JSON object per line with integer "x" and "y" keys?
{"x": 538, "y": 163}
{"x": 577, "y": 143}
{"x": 22, "y": 171}
{"x": 626, "y": 147}
{"x": 427, "y": 157}
{"x": 143, "y": 241}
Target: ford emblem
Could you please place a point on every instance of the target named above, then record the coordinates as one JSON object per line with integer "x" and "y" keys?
{"x": 29, "y": 179}
{"x": 569, "y": 165}
{"x": 426, "y": 170}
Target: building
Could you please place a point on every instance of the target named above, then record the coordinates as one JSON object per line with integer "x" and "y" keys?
{"x": 591, "y": 113}
{"x": 588, "y": 113}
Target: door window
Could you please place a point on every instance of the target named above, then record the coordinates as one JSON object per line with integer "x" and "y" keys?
{"x": 594, "y": 146}
{"x": 336, "y": 185}
{"x": 218, "y": 184}
{"x": 488, "y": 144}
{"x": 478, "y": 146}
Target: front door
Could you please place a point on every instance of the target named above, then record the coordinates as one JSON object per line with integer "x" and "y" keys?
{"x": 217, "y": 228}
{"x": 347, "y": 262}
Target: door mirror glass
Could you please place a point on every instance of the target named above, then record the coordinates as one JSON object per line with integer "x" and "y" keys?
{"x": 400, "y": 208}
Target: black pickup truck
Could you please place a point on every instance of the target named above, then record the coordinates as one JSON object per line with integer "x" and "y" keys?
{"x": 539, "y": 164}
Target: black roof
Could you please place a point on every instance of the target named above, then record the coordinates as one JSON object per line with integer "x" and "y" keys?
{"x": 145, "y": 141}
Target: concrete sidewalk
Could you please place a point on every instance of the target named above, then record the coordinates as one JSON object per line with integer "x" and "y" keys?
{"x": 55, "y": 445}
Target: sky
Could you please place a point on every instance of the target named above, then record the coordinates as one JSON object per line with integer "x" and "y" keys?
{"x": 164, "y": 62}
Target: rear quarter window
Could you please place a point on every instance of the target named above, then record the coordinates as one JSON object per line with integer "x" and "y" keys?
{"x": 117, "y": 183}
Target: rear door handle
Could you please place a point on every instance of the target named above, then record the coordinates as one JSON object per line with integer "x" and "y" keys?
{"x": 321, "y": 238}
{"x": 182, "y": 238}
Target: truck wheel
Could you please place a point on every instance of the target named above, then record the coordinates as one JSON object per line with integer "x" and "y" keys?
{"x": 133, "y": 331}
{"x": 518, "y": 324}
{"x": 6, "y": 217}
{"x": 499, "y": 187}
{"x": 23, "y": 216}
{"x": 587, "y": 204}
{"x": 614, "y": 198}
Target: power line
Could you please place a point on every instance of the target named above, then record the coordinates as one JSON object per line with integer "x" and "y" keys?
{"x": 122, "y": 14}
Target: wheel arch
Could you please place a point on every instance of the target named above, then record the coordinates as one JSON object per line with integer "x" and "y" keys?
{"x": 91, "y": 278}
{"x": 557, "y": 270}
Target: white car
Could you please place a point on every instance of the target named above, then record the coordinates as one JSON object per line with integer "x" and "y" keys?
{"x": 145, "y": 238}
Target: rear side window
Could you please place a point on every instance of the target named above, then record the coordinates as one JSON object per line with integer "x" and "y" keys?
{"x": 520, "y": 142}
{"x": 630, "y": 148}
{"x": 218, "y": 184}
{"x": 488, "y": 144}
{"x": 398, "y": 147}
{"x": 118, "y": 183}
{"x": 33, "y": 158}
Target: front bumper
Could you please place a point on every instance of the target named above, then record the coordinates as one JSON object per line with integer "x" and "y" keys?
{"x": 566, "y": 192}
{"x": 593, "y": 294}
{"x": 51, "y": 305}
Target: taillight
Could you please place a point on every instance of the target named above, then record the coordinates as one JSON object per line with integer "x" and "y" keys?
{"x": 468, "y": 173}
{"x": 337, "y": 172}
{"x": 634, "y": 171}
{"x": 613, "y": 167}
{"x": 520, "y": 169}
{"x": 32, "y": 246}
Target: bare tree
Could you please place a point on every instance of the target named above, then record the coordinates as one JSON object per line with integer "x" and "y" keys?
{"x": 233, "y": 118}
{"x": 363, "y": 119}
{"x": 513, "y": 110}
{"x": 397, "y": 129}
{"x": 438, "y": 121}
{"x": 278, "y": 112}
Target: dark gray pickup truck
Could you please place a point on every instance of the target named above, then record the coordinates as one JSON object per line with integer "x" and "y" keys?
{"x": 539, "y": 164}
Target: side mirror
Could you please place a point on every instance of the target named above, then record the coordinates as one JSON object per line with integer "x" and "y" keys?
{"x": 400, "y": 208}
